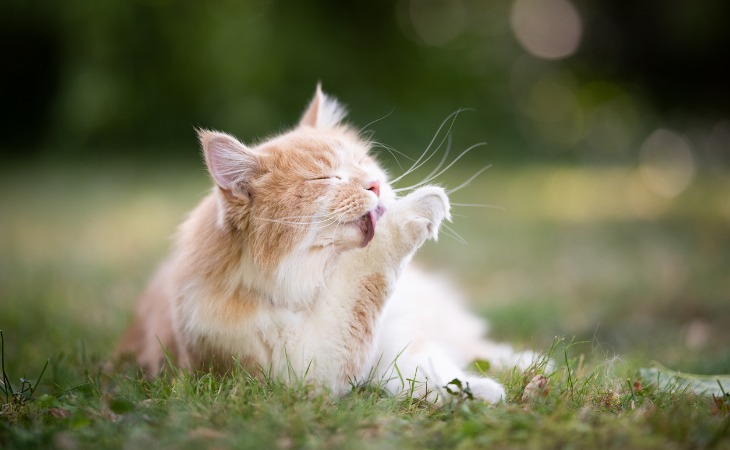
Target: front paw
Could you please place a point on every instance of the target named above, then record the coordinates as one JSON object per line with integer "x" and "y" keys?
{"x": 424, "y": 209}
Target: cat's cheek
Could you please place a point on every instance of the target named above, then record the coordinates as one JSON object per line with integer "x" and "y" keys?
{"x": 344, "y": 237}
{"x": 387, "y": 197}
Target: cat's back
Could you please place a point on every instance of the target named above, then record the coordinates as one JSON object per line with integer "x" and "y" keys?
{"x": 153, "y": 331}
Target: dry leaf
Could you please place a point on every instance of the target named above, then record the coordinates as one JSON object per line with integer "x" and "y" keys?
{"x": 608, "y": 399}
{"x": 638, "y": 386}
{"x": 536, "y": 388}
{"x": 60, "y": 413}
{"x": 719, "y": 406}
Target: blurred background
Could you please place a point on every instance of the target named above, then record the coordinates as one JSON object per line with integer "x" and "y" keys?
{"x": 607, "y": 125}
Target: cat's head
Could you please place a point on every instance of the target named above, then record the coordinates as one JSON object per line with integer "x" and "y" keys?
{"x": 314, "y": 188}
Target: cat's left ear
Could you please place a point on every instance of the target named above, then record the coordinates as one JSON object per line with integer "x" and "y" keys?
{"x": 323, "y": 111}
{"x": 231, "y": 163}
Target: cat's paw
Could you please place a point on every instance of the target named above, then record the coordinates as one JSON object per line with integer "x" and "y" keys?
{"x": 424, "y": 210}
{"x": 487, "y": 390}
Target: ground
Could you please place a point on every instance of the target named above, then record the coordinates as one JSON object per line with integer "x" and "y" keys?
{"x": 616, "y": 284}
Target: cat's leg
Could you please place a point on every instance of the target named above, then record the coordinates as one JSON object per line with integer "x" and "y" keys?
{"x": 500, "y": 356}
{"x": 335, "y": 345}
{"x": 425, "y": 374}
{"x": 152, "y": 339}
{"x": 421, "y": 368}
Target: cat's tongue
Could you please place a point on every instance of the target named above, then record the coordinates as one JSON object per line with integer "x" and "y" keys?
{"x": 368, "y": 221}
{"x": 367, "y": 225}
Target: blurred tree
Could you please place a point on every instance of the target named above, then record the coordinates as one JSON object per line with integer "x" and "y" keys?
{"x": 674, "y": 49}
{"x": 133, "y": 77}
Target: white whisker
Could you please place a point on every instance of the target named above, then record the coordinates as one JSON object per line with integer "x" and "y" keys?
{"x": 392, "y": 152}
{"x": 471, "y": 178}
{"x": 308, "y": 216}
{"x": 443, "y": 160}
{"x": 362, "y": 129}
{"x": 337, "y": 227}
{"x": 418, "y": 163}
{"x": 480, "y": 205}
{"x": 322, "y": 223}
{"x": 441, "y": 172}
{"x": 448, "y": 231}
{"x": 389, "y": 148}
{"x": 422, "y": 163}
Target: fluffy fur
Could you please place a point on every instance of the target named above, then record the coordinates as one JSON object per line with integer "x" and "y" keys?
{"x": 297, "y": 262}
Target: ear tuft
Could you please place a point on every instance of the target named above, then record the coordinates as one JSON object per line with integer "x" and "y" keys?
{"x": 323, "y": 111}
{"x": 230, "y": 163}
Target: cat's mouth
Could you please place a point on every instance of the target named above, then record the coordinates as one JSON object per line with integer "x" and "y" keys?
{"x": 367, "y": 222}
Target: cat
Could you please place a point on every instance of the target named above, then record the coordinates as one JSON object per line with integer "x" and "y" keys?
{"x": 298, "y": 263}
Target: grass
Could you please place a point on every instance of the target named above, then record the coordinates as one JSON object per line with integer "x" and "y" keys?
{"x": 628, "y": 277}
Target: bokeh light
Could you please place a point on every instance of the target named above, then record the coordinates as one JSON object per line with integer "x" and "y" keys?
{"x": 438, "y": 23}
{"x": 666, "y": 163}
{"x": 549, "y": 29}
{"x": 553, "y": 106}
{"x": 613, "y": 120}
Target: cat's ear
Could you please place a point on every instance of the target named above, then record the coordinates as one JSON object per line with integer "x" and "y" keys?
{"x": 323, "y": 111}
{"x": 230, "y": 163}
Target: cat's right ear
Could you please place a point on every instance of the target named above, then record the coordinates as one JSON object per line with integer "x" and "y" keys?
{"x": 323, "y": 111}
{"x": 230, "y": 163}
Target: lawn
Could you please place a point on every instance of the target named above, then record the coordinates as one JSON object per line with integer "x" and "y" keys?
{"x": 617, "y": 285}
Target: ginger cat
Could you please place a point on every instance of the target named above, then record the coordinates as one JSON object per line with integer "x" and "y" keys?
{"x": 298, "y": 262}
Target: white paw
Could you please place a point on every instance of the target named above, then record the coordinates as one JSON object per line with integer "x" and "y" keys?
{"x": 424, "y": 210}
{"x": 487, "y": 390}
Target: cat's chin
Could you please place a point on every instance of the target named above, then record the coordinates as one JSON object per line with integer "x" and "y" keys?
{"x": 367, "y": 223}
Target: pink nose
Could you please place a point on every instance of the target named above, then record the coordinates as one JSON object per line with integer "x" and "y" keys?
{"x": 375, "y": 187}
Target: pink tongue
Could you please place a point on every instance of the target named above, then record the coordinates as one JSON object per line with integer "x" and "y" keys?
{"x": 369, "y": 227}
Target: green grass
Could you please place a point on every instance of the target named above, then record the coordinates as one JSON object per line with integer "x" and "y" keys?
{"x": 590, "y": 254}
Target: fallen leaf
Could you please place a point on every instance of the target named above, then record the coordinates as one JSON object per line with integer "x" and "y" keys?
{"x": 719, "y": 405}
{"x": 60, "y": 413}
{"x": 536, "y": 388}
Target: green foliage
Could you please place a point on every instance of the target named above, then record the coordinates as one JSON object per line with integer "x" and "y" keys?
{"x": 135, "y": 77}
{"x": 586, "y": 404}
{"x": 22, "y": 393}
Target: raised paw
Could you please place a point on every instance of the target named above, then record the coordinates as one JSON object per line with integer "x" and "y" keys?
{"x": 425, "y": 209}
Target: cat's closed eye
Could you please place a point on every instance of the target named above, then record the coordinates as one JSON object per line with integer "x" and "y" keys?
{"x": 325, "y": 178}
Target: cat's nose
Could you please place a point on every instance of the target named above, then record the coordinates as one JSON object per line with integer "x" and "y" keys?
{"x": 375, "y": 187}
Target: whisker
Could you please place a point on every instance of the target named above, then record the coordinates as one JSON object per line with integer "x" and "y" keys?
{"x": 443, "y": 160}
{"x": 363, "y": 128}
{"x": 388, "y": 147}
{"x": 441, "y": 172}
{"x": 447, "y": 136}
{"x": 376, "y": 121}
{"x": 323, "y": 223}
{"x": 444, "y": 232}
{"x": 309, "y": 216}
{"x": 453, "y": 234}
{"x": 330, "y": 221}
{"x": 471, "y": 178}
{"x": 318, "y": 214}
{"x": 479, "y": 205}
{"x": 392, "y": 152}
{"x": 418, "y": 163}
{"x": 326, "y": 223}
{"x": 339, "y": 222}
